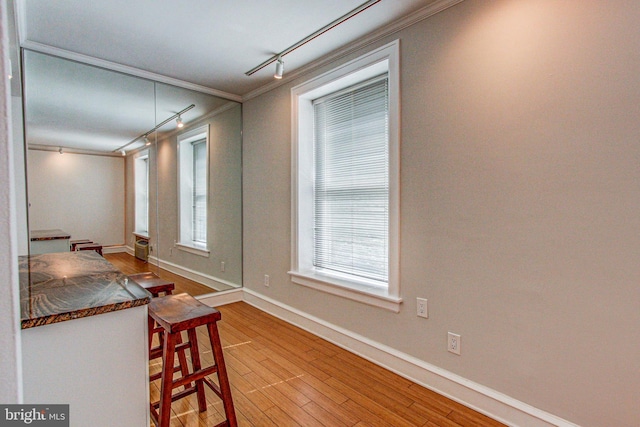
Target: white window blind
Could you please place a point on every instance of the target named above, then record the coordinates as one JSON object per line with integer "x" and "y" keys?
{"x": 141, "y": 177}
{"x": 351, "y": 189}
{"x": 199, "y": 211}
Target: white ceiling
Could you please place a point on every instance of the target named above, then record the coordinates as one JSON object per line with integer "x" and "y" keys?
{"x": 206, "y": 45}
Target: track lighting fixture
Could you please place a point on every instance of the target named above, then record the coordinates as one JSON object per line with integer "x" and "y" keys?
{"x": 144, "y": 136}
{"x": 278, "y": 56}
{"x": 60, "y": 150}
{"x": 124, "y": 153}
{"x": 279, "y": 68}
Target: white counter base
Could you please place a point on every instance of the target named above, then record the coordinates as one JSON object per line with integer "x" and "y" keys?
{"x": 98, "y": 365}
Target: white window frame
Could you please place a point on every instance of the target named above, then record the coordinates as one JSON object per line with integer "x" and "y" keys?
{"x": 381, "y": 60}
{"x": 141, "y": 200}
{"x": 185, "y": 190}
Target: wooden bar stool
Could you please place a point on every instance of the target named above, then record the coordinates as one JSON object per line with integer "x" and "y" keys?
{"x": 174, "y": 314}
{"x": 156, "y": 286}
{"x": 74, "y": 243}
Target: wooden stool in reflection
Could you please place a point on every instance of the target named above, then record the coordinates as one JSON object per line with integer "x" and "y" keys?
{"x": 89, "y": 247}
{"x": 174, "y": 314}
{"x": 74, "y": 243}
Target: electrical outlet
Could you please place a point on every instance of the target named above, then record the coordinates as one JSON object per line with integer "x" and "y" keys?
{"x": 422, "y": 308}
{"x": 453, "y": 343}
{"x": 266, "y": 280}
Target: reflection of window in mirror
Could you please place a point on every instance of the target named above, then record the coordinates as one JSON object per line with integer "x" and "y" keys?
{"x": 192, "y": 182}
{"x": 141, "y": 189}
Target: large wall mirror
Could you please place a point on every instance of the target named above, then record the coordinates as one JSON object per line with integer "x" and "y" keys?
{"x": 148, "y": 170}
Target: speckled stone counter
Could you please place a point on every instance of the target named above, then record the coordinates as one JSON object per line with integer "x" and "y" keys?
{"x": 62, "y": 286}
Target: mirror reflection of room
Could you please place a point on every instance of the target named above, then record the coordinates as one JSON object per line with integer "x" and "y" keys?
{"x": 144, "y": 173}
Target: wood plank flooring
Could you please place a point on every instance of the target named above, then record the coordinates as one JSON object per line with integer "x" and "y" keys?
{"x": 129, "y": 264}
{"x": 283, "y": 376}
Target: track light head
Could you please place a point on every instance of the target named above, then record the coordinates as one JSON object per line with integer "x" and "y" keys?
{"x": 60, "y": 150}
{"x": 123, "y": 153}
{"x": 279, "y": 68}
{"x": 179, "y": 122}
{"x": 146, "y": 141}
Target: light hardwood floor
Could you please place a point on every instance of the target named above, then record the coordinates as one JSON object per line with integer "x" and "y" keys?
{"x": 283, "y": 376}
{"x": 129, "y": 264}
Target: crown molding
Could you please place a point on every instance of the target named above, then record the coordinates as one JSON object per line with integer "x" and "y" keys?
{"x": 114, "y": 66}
{"x": 394, "y": 27}
{"x": 70, "y": 150}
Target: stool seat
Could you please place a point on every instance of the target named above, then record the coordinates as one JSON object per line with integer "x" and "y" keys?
{"x": 152, "y": 283}
{"x": 181, "y": 312}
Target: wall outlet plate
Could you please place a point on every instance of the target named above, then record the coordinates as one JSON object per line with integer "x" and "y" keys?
{"x": 422, "y": 308}
{"x": 453, "y": 343}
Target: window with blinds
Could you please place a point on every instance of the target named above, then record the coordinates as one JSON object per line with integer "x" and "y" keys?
{"x": 199, "y": 200}
{"x": 351, "y": 187}
{"x": 345, "y": 170}
{"x": 193, "y": 172}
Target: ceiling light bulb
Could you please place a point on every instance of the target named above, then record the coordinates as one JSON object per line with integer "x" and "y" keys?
{"x": 279, "y": 69}
{"x": 179, "y": 122}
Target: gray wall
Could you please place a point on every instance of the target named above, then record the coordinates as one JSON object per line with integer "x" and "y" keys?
{"x": 520, "y": 194}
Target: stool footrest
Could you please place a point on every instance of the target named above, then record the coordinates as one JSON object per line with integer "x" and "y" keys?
{"x": 196, "y": 376}
{"x": 156, "y": 352}
{"x": 158, "y": 375}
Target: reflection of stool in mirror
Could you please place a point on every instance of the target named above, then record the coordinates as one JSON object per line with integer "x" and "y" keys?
{"x": 74, "y": 243}
{"x": 89, "y": 247}
{"x": 174, "y": 314}
{"x": 154, "y": 284}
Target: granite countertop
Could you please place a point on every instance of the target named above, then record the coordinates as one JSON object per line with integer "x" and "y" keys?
{"x": 62, "y": 286}
{"x": 48, "y": 235}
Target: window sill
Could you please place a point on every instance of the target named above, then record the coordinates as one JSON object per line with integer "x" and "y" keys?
{"x": 142, "y": 234}
{"x": 365, "y": 294}
{"x": 203, "y": 252}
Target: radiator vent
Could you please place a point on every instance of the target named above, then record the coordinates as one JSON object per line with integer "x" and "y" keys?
{"x": 142, "y": 249}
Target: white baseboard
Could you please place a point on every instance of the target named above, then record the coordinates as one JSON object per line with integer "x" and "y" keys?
{"x": 221, "y": 298}
{"x": 114, "y": 249}
{"x": 205, "y": 279}
{"x": 483, "y": 399}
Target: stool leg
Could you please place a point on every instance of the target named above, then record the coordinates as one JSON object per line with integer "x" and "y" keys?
{"x": 166, "y": 388}
{"x": 195, "y": 361}
{"x": 182, "y": 359}
{"x": 151, "y": 326}
{"x": 225, "y": 387}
